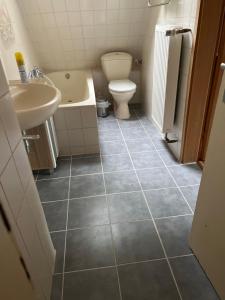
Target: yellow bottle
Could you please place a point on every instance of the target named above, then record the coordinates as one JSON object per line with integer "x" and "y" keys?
{"x": 21, "y": 66}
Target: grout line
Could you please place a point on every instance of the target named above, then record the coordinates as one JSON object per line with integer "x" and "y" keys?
{"x": 177, "y": 186}
{"x": 128, "y": 263}
{"x": 119, "y": 222}
{"x": 113, "y": 245}
{"x": 161, "y": 242}
{"x": 111, "y": 194}
{"x": 67, "y": 216}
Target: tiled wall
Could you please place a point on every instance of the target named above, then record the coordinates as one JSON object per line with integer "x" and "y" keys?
{"x": 75, "y": 33}
{"x": 20, "y": 199}
{"x": 20, "y": 42}
{"x": 76, "y": 129}
{"x": 183, "y": 13}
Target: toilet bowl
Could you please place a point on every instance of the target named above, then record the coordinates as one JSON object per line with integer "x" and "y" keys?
{"x": 117, "y": 67}
{"x": 122, "y": 92}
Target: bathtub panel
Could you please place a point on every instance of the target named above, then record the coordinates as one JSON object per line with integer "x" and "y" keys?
{"x": 59, "y": 120}
{"x": 76, "y": 137}
{"x": 76, "y": 121}
{"x": 91, "y": 136}
{"x": 88, "y": 115}
{"x": 73, "y": 118}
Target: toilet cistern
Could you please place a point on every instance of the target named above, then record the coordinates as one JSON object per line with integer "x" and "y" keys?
{"x": 117, "y": 67}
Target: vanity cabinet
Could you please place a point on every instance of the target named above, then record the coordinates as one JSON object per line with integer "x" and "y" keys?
{"x": 43, "y": 152}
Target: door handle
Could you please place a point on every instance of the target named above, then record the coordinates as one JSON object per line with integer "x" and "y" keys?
{"x": 222, "y": 66}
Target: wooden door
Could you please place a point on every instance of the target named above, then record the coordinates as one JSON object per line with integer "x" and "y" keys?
{"x": 207, "y": 238}
{"x": 211, "y": 17}
{"x": 14, "y": 279}
{"x": 213, "y": 93}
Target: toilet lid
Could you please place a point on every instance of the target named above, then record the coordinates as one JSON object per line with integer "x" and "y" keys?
{"x": 122, "y": 86}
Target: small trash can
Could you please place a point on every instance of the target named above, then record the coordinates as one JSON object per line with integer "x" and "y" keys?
{"x": 103, "y": 107}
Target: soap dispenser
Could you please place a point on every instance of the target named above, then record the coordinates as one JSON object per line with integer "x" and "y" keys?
{"x": 21, "y": 67}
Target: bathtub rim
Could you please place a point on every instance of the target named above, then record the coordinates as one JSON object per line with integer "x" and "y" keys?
{"x": 91, "y": 101}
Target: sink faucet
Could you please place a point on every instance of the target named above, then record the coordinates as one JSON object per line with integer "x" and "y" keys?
{"x": 35, "y": 73}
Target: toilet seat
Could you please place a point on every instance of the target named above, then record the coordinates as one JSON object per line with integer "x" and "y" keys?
{"x": 122, "y": 86}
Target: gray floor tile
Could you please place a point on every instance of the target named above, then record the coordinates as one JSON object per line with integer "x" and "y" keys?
{"x": 174, "y": 233}
{"x": 131, "y": 123}
{"x": 88, "y": 211}
{"x": 127, "y": 207}
{"x": 168, "y": 158}
{"x": 109, "y": 125}
{"x": 145, "y": 160}
{"x": 118, "y": 182}
{"x": 118, "y": 162}
{"x": 145, "y": 281}
{"x": 87, "y": 185}
{"x": 140, "y": 145}
{"x": 89, "y": 248}
{"x": 56, "y": 214}
{"x": 92, "y": 285}
{"x": 159, "y": 142}
{"x": 114, "y": 147}
{"x": 166, "y": 202}
{"x": 53, "y": 189}
{"x": 110, "y": 135}
{"x": 56, "y": 287}
{"x": 191, "y": 195}
{"x": 151, "y": 130}
{"x": 133, "y": 133}
{"x": 86, "y": 165}
{"x": 58, "y": 239}
{"x": 136, "y": 241}
{"x": 156, "y": 178}
{"x": 186, "y": 174}
{"x": 192, "y": 280}
{"x": 62, "y": 170}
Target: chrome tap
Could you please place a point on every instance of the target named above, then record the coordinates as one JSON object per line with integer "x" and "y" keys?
{"x": 35, "y": 73}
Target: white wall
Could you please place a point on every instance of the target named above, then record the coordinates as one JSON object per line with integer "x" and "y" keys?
{"x": 20, "y": 199}
{"x": 70, "y": 34}
{"x": 178, "y": 12}
{"x": 73, "y": 34}
{"x": 20, "y": 42}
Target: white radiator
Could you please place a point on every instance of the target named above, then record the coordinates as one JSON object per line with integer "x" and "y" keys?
{"x": 165, "y": 77}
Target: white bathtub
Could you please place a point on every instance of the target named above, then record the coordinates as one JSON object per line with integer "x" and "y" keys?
{"x": 76, "y": 120}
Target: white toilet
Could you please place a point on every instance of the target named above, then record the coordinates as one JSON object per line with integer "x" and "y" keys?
{"x": 117, "y": 68}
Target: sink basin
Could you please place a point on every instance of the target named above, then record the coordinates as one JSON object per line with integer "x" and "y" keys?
{"x": 34, "y": 103}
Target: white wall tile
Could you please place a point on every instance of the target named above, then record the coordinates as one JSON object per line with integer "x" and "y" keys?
{"x": 9, "y": 121}
{"x": 100, "y": 4}
{"x": 3, "y": 82}
{"x": 100, "y": 17}
{"x": 91, "y": 136}
{"x": 5, "y": 149}
{"x": 12, "y": 187}
{"x": 59, "y": 5}
{"x": 72, "y": 5}
{"x": 73, "y": 118}
{"x": 74, "y": 18}
{"x": 61, "y": 19}
{"x": 89, "y": 118}
{"x": 113, "y": 4}
{"x": 45, "y": 5}
{"x": 22, "y": 164}
{"x": 76, "y": 137}
{"x": 87, "y": 4}
{"x": 87, "y": 18}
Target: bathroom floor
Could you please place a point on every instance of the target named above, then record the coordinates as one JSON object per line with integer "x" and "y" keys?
{"x": 123, "y": 233}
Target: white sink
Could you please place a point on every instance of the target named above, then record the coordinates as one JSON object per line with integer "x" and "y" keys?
{"x": 34, "y": 103}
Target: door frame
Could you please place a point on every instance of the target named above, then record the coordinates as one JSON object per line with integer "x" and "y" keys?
{"x": 201, "y": 77}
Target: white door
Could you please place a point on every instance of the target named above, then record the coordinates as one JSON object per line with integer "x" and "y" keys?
{"x": 207, "y": 237}
{"x": 14, "y": 280}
